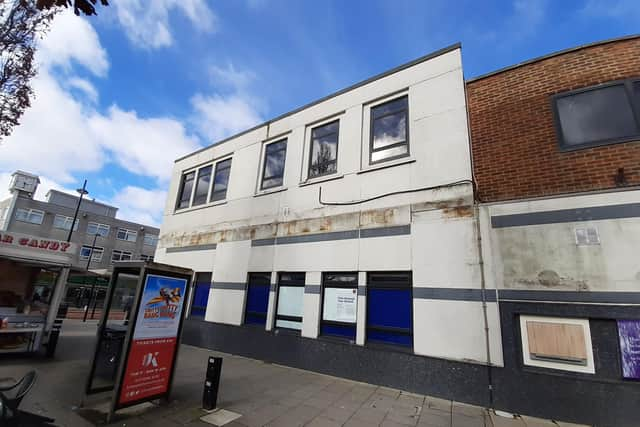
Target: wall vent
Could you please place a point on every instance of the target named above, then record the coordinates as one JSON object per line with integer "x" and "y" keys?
{"x": 587, "y": 236}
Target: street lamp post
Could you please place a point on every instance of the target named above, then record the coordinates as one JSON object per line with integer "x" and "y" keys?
{"x": 82, "y": 191}
{"x": 93, "y": 286}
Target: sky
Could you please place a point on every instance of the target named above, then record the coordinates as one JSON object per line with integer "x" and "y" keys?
{"x": 121, "y": 95}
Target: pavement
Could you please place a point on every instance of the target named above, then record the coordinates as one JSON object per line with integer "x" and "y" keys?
{"x": 252, "y": 393}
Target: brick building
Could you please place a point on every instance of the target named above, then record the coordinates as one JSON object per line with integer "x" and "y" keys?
{"x": 556, "y": 160}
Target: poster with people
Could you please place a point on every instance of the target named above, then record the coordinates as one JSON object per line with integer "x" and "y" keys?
{"x": 155, "y": 338}
{"x": 629, "y": 335}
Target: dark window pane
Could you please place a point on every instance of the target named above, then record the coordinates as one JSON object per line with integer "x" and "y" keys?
{"x": 324, "y": 150}
{"x": 342, "y": 331}
{"x": 389, "y": 308}
{"x": 274, "y": 164}
{"x": 202, "y": 186}
{"x": 221, "y": 180}
{"x": 185, "y": 190}
{"x": 596, "y": 115}
{"x": 389, "y": 130}
{"x": 387, "y": 337}
{"x": 389, "y": 107}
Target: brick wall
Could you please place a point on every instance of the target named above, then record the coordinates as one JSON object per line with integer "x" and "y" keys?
{"x": 514, "y": 142}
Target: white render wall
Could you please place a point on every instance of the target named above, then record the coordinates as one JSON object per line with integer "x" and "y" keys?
{"x": 441, "y": 249}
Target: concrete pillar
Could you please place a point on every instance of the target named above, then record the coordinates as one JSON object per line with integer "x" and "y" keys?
{"x": 312, "y": 297}
{"x": 56, "y": 298}
{"x": 361, "y": 315}
{"x": 271, "y": 308}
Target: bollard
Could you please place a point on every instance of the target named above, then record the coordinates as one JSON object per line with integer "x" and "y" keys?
{"x": 211, "y": 383}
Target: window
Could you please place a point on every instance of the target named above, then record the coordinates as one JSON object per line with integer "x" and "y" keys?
{"x": 290, "y": 300}
{"x": 273, "y": 168}
{"x": 389, "y": 308}
{"x": 146, "y": 257}
{"x": 557, "y": 343}
{"x": 598, "y": 115}
{"x": 202, "y": 185}
{"x": 86, "y": 252}
{"x": 150, "y": 239}
{"x": 257, "y": 298}
{"x": 390, "y": 130}
{"x": 33, "y": 216}
{"x": 339, "y": 305}
{"x": 201, "y": 289}
{"x": 94, "y": 228}
{"x": 117, "y": 255}
{"x": 221, "y": 180}
{"x": 64, "y": 222}
{"x": 184, "y": 195}
{"x": 323, "y": 156}
{"x": 128, "y": 235}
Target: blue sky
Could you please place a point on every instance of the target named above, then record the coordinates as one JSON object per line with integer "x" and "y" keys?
{"x": 121, "y": 95}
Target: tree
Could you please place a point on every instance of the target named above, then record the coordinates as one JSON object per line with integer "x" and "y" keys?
{"x": 22, "y": 23}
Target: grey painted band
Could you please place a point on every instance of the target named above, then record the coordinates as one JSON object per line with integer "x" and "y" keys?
{"x": 320, "y": 237}
{"x": 571, "y": 296}
{"x": 312, "y": 289}
{"x": 454, "y": 294}
{"x": 235, "y": 286}
{"x": 362, "y": 291}
{"x": 273, "y": 287}
{"x": 191, "y": 248}
{"x": 263, "y": 242}
{"x": 594, "y": 213}
{"x": 399, "y": 230}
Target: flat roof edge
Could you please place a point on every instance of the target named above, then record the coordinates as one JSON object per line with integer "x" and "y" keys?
{"x": 379, "y": 76}
{"x": 551, "y": 55}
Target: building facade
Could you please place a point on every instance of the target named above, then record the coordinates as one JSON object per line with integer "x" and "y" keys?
{"x": 53, "y": 218}
{"x": 353, "y": 237}
{"x": 556, "y": 156}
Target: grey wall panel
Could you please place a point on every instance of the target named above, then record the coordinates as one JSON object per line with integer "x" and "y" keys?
{"x": 631, "y": 210}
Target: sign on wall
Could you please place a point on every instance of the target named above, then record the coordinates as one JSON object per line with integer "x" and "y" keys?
{"x": 155, "y": 338}
{"x": 340, "y": 304}
{"x": 629, "y": 336}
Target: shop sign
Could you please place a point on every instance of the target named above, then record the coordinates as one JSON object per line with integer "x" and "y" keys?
{"x": 629, "y": 336}
{"x": 28, "y": 242}
{"x": 155, "y": 337}
{"x": 340, "y": 304}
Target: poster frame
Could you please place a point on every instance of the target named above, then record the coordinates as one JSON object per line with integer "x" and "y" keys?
{"x": 626, "y": 379}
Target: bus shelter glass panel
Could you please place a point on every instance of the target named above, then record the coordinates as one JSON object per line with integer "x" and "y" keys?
{"x": 257, "y": 299}
{"x": 339, "y": 305}
{"x": 389, "y": 308}
{"x": 200, "y": 294}
{"x": 112, "y": 335}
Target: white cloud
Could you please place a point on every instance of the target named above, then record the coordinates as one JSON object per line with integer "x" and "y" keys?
{"x": 143, "y": 146}
{"x": 73, "y": 40}
{"x": 146, "y": 23}
{"x": 140, "y": 205}
{"x": 229, "y": 76}
{"x": 85, "y": 87}
{"x": 218, "y": 117}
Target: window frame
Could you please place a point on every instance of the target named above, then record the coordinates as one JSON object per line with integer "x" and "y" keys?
{"x": 338, "y": 285}
{"x": 295, "y": 283}
{"x": 251, "y": 276}
{"x": 98, "y": 226}
{"x": 74, "y": 224}
{"x": 634, "y": 103}
{"x": 197, "y": 181}
{"x": 148, "y": 258}
{"x": 93, "y": 250}
{"x": 311, "y": 139}
{"x": 183, "y": 182}
{"x": 29, "y": 212}
{"x": 155, "y": 239}
{"x": 121, "y": 253}
{"x": 390, "y": 285}
{"x": 215, "y": 171}
{"x": 398, "y": 144}
{"x": 264, "y": 163}
{"x": 127, "y": 232}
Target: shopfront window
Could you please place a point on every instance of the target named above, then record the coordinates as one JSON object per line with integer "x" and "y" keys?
{"x": 257, "y": 299}
{"x": 339, "y": 305}
{"x": 389, "y": 308}
{"x": 290, "y": 301}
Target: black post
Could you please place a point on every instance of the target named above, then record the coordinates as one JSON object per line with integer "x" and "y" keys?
{"x": 84, "y": 281}
{"x": 82, "y": 192}
{"x": 211, "y": 383}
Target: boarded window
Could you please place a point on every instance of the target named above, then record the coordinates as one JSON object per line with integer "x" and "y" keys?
{"x": 558, "y": 342}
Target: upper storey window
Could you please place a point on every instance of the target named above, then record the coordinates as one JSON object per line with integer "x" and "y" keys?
{"x": 184, "y": 196}
{"x": 390, "y": 130}
{"x": 221, "y": 180}
{"x": 273, "y": 168}
{"x": 202, "y": 185}
{"x": 324, "y": 150}
{"x": 598, "y": 115}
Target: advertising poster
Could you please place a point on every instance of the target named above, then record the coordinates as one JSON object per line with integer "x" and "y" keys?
{"x": 629, "y": 335}
{"x": 340, "y": 304}
{"x": 155, "y": 337}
